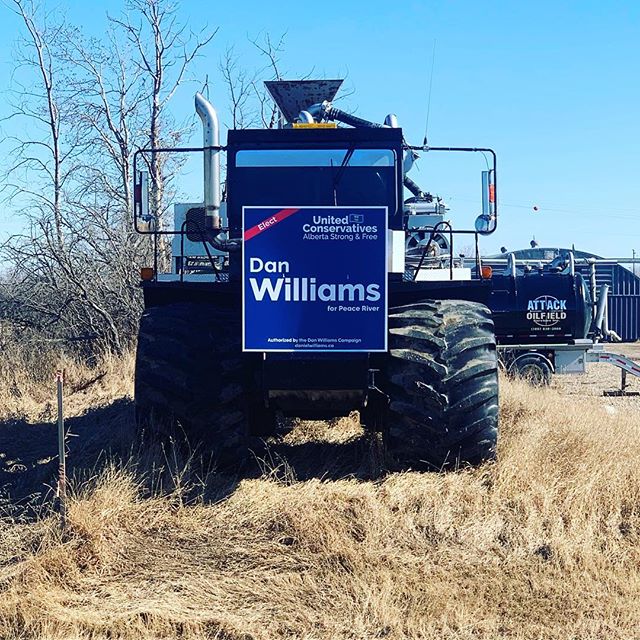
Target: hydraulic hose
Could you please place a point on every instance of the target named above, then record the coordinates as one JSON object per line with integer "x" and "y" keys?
{"x": 332, "y": 113}
{"x": 226, "y": 244}
{"x": 413, "y": 187}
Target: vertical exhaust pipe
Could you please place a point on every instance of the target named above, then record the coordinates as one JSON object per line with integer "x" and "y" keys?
{"x": 210, "y": 138}
{"x": 601, "y": 322}
{"x": 601, "y": 308}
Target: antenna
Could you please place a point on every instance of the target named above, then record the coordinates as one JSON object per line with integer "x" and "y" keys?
{"x": 426, "y": 126}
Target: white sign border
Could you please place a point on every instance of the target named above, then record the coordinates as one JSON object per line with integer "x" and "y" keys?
{"x": 386, "y": 280}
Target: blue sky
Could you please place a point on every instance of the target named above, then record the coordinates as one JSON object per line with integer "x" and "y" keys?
{"x": 553, "y": 87}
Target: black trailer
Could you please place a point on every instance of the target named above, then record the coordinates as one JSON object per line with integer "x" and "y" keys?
{"x": 549, "y": 320}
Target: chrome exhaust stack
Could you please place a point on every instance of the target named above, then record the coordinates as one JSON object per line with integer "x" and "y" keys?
{"x": 210, "y": 138}
{"x": 601, "y": 322}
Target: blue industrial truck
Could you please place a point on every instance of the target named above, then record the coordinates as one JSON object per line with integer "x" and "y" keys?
{"x": 318, "y": 280}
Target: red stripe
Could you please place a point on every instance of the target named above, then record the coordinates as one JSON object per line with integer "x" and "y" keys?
{"x": 269, "y": 222}
{"x": 605, "y": 357}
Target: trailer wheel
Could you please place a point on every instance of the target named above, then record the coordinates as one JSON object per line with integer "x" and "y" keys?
{"x": 192, "y": 379}
{"x": 442, "y": 381}
{"x": 532, "y": 367}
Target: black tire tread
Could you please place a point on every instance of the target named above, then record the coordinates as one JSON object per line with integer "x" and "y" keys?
{"x": 442, "y": 379}
{"x": 191, "y": 379}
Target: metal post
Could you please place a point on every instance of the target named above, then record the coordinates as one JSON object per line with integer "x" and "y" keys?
{"x": 600, "y": 321}
{"x": 62, "y": 468}
{"x": 592, "y": 279}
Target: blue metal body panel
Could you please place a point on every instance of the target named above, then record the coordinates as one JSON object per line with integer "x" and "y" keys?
{"x": 624, "y": 298}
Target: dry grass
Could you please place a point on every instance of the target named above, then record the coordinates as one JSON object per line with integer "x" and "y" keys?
{"x": 27, "y": 377}
{"x": 542, "y": 544}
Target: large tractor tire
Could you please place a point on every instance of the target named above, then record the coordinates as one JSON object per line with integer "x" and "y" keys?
{"x": 442, "y": 381}
{"x": 192, "y": 380}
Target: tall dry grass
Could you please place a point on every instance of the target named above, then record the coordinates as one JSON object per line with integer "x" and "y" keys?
{"x": 542, "y": 544}
{"x": 27, "y": 378}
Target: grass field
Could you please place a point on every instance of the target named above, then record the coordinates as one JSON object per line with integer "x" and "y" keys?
{"x": 306, "y": 542}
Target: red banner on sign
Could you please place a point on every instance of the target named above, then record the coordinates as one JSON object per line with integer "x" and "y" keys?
{"x": 269, "y": 222}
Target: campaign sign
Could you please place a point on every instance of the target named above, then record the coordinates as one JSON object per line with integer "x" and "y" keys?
{"x": 314, "y": 279}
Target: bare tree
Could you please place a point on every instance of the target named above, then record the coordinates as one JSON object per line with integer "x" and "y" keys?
{"x": 111, "y": 113}
{"x": 250, "y": 104}
{"x": 75, "y": 280}
{"x": 165, "y": 49}
{"x": 73, "y": 275}
{"x": 40, "y": 162}
{"x": 271, "y": 53}
{"x": 240, "y": 87}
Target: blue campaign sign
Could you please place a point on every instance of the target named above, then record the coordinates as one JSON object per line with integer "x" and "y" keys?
{"x": 314, "y": 278}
